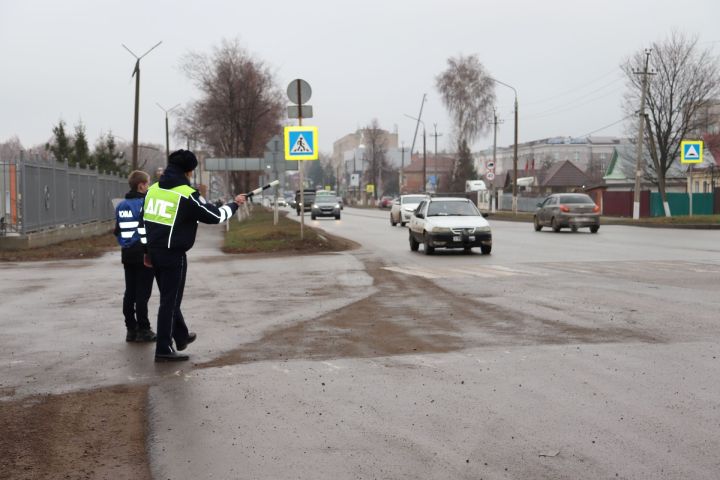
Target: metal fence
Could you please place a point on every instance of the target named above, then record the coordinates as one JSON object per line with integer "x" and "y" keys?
{"x": 524, "y": 204}
{"x": 37, "y": 195}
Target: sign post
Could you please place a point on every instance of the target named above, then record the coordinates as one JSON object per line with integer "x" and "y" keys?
{"x": 691, "y": 152}
{"x": 300, "y": 142}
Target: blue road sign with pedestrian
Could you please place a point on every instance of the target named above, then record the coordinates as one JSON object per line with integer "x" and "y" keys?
{"x": 301, "y": 143}
{"x": 691, "y": 151}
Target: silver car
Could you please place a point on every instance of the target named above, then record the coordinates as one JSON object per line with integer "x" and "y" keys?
{"x": 567, "y": 210}
{"x": 402, "y": 208}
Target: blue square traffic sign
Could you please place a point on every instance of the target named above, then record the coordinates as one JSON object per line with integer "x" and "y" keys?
{"x": 691, "y": 151}
{"x": 301, "y": 143}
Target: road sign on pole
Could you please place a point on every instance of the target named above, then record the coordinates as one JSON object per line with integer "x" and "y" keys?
{"x": 301, "y": 143}
{"x": 299, "y": 91}
{"x": 691, "y": 151}
{"x": 300, "y": 111}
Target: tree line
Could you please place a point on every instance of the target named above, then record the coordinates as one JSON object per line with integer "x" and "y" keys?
{"x": 241, "y": 106}
{"x": 74, "y": 149}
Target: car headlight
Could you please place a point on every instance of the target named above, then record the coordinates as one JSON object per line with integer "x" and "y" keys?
{"x": 482, "y": 229}
{"x": 314, "y": 205}
{"x": 441, "y": 230}
{"x": 337, "y": 205}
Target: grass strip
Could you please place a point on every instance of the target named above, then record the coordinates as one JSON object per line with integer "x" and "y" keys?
{"x": 257, "y": 234}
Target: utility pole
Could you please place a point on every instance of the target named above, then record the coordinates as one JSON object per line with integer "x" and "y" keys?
{"x": 402, "y": 166}
{"x": 424, "y": 162}
{"x": 437, "y": 182}
{"x": 424, "y": 176}
{"x": 641, "y": 137}
{"x": 136, "y": 74}
{"x": 167, "y": 128}
{"x": 494, "y": 123}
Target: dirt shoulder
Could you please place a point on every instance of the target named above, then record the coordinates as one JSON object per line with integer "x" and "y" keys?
{"x": 101, "y": 434}
{"x": 90, "y": 247}
{"x": 97, "y": 434}
{"x": 699, "y": 222}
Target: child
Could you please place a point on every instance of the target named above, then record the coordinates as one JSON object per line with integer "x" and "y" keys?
{"x": 138, "y": 277}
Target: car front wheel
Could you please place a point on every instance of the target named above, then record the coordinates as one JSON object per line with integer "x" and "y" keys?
{"x": 392, "y": 220}
{"x": 428, "y": 249}
{"x": 414, "y": 245}
{"x": 486, "y": 249}
{"x": 594, "y": 228}
{"x": 536, "y": 222}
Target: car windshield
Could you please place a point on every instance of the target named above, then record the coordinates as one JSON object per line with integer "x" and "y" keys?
{"x": 413, "y": 199}
{"x": 576, "y": 199}
{"x": 452, "y": 209}
{"x": 325, "y": 199}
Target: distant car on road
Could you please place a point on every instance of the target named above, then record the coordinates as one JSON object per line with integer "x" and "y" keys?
{"x": 330, "y": 193}
{"x": 385, "y": 201}
{"x": 563, "y": 210}
{"x": 325, "y": 206}
{"x": 402, "y": 208}
{"x": 447, "y": 222}
{"x": 308, "y": 198}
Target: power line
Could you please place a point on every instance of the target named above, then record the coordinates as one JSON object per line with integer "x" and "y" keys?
{"x": 605, "y": 127}
{"x": 574, "y": 89}
{"x": 580, "y": 98}
{"x": 561, "y": 109}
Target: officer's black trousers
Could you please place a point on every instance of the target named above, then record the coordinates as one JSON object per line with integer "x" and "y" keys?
{"x": 138, "y": 286}
{"x": 170, "y": 270}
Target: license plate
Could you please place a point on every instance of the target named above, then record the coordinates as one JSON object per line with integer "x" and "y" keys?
{"x": 472, "y": 238}
{"x": 456, "y": 238}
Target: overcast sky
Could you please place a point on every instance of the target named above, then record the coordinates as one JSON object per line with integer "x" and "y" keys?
{"x": 365, "y": 59}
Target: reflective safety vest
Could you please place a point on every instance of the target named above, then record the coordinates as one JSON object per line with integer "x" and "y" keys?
{"x": 171, "y": 216}
{"x": 161, "y": 206}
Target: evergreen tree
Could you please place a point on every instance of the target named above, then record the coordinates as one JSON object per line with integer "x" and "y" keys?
{"x": 106, "y": 156}
{"x": 61, "y": 145}
{"x": 81, "y": 150}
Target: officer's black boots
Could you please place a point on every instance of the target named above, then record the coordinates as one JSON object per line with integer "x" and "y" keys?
{"x": 140, "y": 336}
{"x": 131, "y": 335}
{"x": 145, "y": 336}
{"x": 180, "y": 345}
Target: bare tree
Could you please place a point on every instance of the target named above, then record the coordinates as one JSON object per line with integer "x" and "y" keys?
{"x": 468, "y": 93}
{"x": 686, "y": 81}
{"x": 375, "y": 153}
{"x": 240, "y": 107}
{"x": 11, "y": 149}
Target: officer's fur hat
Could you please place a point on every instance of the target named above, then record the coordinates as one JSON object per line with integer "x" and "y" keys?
{"x": 184, "y": 159}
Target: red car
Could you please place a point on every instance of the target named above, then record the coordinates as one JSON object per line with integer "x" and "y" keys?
{"x": 386, "y": 202}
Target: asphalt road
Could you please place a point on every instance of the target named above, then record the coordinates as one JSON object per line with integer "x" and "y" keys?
{"x": 565, "y": 355}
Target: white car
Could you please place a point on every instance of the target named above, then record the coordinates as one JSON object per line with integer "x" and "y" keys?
{"x": 402, "y": 208}
{"x": 445, "y": 222}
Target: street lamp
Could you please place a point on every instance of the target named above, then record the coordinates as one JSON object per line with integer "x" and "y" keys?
{"x": 515, "y": 145}
{"x": 424, "y": 177}
{"x": 136, "y": 73}
{"x": 167, "y": 129}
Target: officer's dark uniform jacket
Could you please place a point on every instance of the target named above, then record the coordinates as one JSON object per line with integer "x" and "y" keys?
{"x": 128, "y": 229}
{"x": 173, "y": 209}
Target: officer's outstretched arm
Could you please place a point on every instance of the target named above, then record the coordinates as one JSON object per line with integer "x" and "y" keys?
{"x": 206, "y": 212}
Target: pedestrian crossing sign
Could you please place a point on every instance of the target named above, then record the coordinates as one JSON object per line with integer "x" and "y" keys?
{"x": 301, "y": 143}
{"x": 691, "y": 151}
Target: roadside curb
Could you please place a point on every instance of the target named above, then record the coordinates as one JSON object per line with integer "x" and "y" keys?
{"x": 611, "y": 221}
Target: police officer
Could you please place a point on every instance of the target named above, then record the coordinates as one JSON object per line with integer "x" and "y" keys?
{"x": 171, "y": 213}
